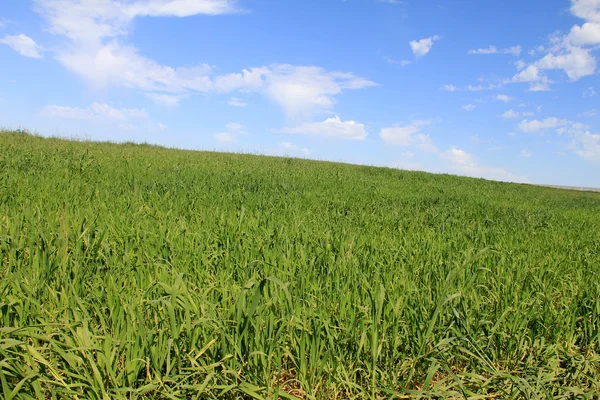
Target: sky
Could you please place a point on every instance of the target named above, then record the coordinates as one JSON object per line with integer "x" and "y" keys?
{"x": 498, "y": 89}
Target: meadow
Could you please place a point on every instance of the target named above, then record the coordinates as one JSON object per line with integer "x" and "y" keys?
{"x": 131, "y": 271}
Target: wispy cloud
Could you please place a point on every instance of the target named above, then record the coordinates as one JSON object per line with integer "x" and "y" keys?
{"x": 409, "y": 135}
{"x": 511, "y": 114}
{"x": 97, "y": 52}
{"x": 332, "y": 128}
{"x": 463, "y": 163}
{"x": 587, "y": 146}
{"x": 168, "y": 100}
{"x": 233, "y": 131}
{"x": 589, "y": 92}
{"x": 526, "y": 154}
{"x": 94, "y": 111}
{"x": 535, "y": 125}
{"x": 515, "y": 51}
{"x": 480, "y": 87}
{"x": 402, "y": 63}
{"x": 291, "y": 148}
{"x": 121, "y": 117}
{"x": 237, "y": 102}
{"x": 24, "y": 45}
{"x": 589, "y": 113}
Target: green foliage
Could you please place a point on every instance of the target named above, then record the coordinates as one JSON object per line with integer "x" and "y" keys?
{"x": 134, "y": 271}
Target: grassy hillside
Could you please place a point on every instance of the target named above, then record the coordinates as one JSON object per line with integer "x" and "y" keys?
{"x": 134, "y": 271}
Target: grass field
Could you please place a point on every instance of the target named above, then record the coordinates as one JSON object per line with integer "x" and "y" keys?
{"x": 134, "y": 271}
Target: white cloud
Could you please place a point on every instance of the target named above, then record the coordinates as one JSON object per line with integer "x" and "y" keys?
{"x": 178, "y": 8}
{"x": 94, "y": 111}
{"x": 423, "y": 46}
{"x": 331, "y": 127}
{"x": 529, "y": 74}
{"x": 584, "y": 143}
{"x": 408, "y": 165}
{"x": 516, "y": 50}
{"x": 458, "y": 156}
{"x": 478, "y": 140}
{"x": 291, "y": 147}
{"x": 402, "y": 63}
{"x": 120, "y": 65}
{"x": 587, "y": 34}
{"x": 233, "y": 131}
{"x": 539, "y": 87}
{"x": 67, "y": 112}
{"x": 90, "y": 21}
{"x": 510, "y": 114}
{"x": 168, "y": 100}
{"x": 235, "y": 127}
{"x": 456, "y": 160}
{"x": 535, "y": 125}
{"x": 23, "y": 44}
{"x": 95, "y": 52}
{"x": 301, "y": 90}
{"x": 489, "y": 50}
{"x": 408, "y": 136}
{"x": 129, "y": 119}
{"x": 538, "y": 49}
{"x": 532, "y": 75}
{"x": 288, "y": 145}
{"x": 469, "y": 107}
{"x": 526, "y": 154}
{"x": 479, "y": 88}
{"x": 586, "y": 9}
{"x": 463, "y": 163}
{"x": 249, "y": 79}
{"x": 225, "y": 137}
{"x": 448, "y": 88}
{"x": 589, "y": 92}
{"x": 504, "y": 98}
{"x": 567, "y": 53}
{"x": 576, "y": 62}
{"x": 237, "y": 102}
{"x": 589, "y": 113}
{"x": 587, "y": 146}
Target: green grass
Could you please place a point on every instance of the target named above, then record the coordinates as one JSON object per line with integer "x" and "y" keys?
{"x": 135, "y": 271}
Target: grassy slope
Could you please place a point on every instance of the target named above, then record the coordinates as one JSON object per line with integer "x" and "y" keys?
{"x": 137, "y": 271}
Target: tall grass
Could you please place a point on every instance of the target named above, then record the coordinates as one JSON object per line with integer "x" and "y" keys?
{"x": 133, "y": 271}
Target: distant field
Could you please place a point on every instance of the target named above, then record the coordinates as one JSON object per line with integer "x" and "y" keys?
{"x": 134, "y": 271}
{"x": 580, "y": 188}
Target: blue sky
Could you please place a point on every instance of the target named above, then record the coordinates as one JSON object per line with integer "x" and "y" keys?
{"x": 503, "y": 90}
